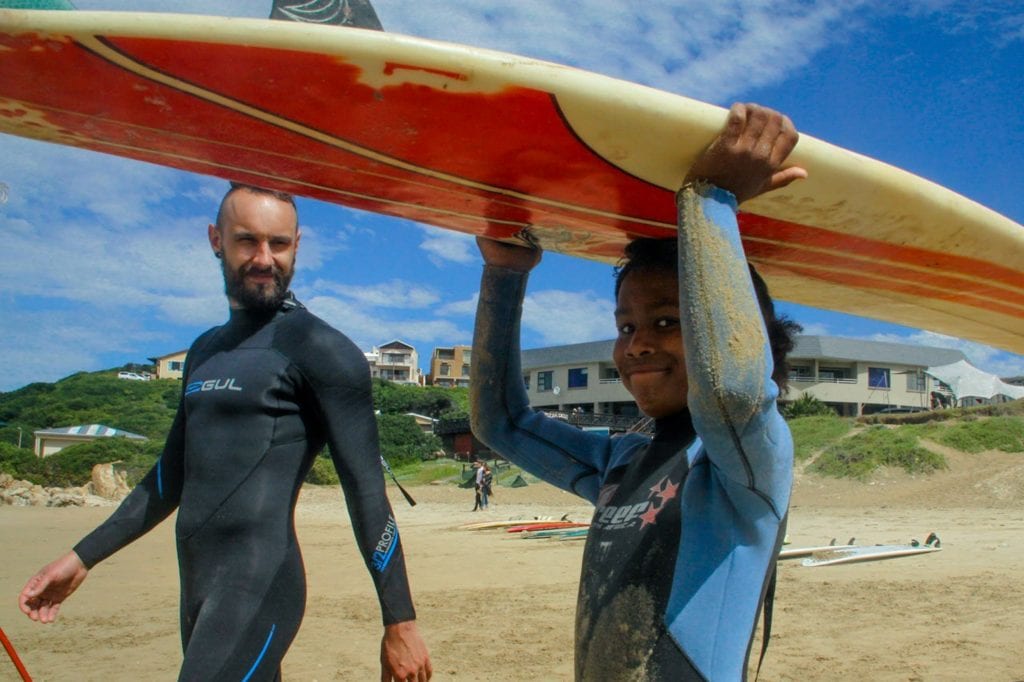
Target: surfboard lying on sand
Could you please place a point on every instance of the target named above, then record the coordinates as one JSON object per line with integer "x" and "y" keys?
{"x": 848, "y": 555}
{"x": 495, "y": 144}
{"x": 800, "y": 552}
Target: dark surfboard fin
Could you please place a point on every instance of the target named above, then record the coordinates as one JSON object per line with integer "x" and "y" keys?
{"x": 355, "y": 13}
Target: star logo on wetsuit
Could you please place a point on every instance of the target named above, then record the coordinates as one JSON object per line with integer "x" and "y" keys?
{"x": 664, "y": 490}
{"x": 618, "y": 517}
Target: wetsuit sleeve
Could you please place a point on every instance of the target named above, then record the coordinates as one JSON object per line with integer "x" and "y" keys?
{"x": 560, "y": 454}
{"x": 342, "y": 390}
{"x": 149, "y": 503}
{"x": 736, "y": 497}
{"x": 731, "y": 395}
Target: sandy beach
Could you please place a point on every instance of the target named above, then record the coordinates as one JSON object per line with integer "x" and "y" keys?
{"x": 497, "y": 607}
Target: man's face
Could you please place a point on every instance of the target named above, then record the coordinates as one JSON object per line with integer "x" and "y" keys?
{"x": 648, "y": 350}
{"x": 257, "y": 239}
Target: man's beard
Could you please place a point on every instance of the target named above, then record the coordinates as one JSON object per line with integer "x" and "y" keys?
{"x": 255, "y": 297}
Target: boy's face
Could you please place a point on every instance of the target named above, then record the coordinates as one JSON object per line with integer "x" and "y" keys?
{"x": 649, "y": 347}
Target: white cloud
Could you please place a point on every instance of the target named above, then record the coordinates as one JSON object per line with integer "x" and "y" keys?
{"x": 464, "y": 307}
{"x": 367, "y": 329}
{"x": 393, "y": 294}
{"x": 983, "y": 357}
{"x": 562, "y": 317}
{"x": 705, "y": 50}
{"x": 446, "y": 245}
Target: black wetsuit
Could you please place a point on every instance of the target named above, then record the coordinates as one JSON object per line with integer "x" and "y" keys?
{"x": 630, "y": 563}
{"x": 262, "y": 395}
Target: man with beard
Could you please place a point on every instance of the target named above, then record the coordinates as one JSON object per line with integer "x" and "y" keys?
{"x": 262, "y": 395}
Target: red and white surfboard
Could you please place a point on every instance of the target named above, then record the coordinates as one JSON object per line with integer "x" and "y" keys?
{"x": 492, "y": 143}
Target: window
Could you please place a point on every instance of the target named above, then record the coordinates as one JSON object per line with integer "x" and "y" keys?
{"x": 175, "y": 365}
{"x": 545, "y": 380}
{"x": 799, "y": 372}
{"x": 833, "y": 373}
{"x": 446, "y": 353}
{"x": 916, "y": 381}
{"x": 878, "y": 377}
{"x": 467, "y": 354}
{"x": 465, "y": 369}
{"x": 446, "y": 369}
{"x": 526, "y": 381}
{"x": 578, "y": 377}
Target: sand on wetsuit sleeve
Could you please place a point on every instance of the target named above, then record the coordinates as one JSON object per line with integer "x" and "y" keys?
{"x": 496, "y": 607}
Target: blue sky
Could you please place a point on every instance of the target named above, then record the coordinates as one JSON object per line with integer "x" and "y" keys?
{"x": 105, "y": 260}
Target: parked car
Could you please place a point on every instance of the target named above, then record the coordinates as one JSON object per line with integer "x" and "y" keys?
{"x": 131, "y": 376}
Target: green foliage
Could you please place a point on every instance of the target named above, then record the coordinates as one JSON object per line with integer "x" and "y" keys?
{"x": 402, "y": 440}
{"x": 72, "y": 466}
{"x": 15, "y": 460}
{"x": 862, "y": 454}
{"x": 432, "y": 401}
{"x": 806, "y": 406}
{"x": 322, "y": 472}
{"x": 811, "y": 434}
{"x": 143, "y": 407}
{"x": 994, "y": 433}
{"x": 429, "y": 471}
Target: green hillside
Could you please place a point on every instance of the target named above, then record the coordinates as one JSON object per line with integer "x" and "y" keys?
{"x": 147, "y": 408}
{"x": 824, "y": 445}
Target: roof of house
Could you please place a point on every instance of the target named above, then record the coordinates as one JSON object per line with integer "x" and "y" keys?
{"x": 860, "y": 350}
{"x": 807, "y": 348}
{"x": 592, "y": 351}
{"x": 397, "y": 344}
{"x": 169, "y": 355}
{"x": 89, "y": 430}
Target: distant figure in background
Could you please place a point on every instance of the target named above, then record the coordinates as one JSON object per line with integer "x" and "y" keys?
{"x": 478, "y": 479}
{"x": 486, "y": 479}
{"x": 262, "y": 395}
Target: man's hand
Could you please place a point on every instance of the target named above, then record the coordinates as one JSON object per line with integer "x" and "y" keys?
{"x": 43, "y": 594}
{"x": 403, "y": 655}
{"x": 747, "y": 156}
{"x": 509, "y": 256}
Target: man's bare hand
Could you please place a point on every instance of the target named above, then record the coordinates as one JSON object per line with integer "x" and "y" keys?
{"x": 403, "y": 654}
{"x": 44, "y": 593}
{"x": 747, "y": 156}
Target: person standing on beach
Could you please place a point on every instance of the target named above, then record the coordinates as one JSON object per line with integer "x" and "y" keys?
{"x": 262, "y": 395}
{"x": 682, "y": 545}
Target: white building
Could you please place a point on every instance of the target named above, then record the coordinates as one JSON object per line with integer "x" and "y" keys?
{"x": 854, "y": 377}
{"x": 396, "y": 361}
{"x": 51, "y": 441}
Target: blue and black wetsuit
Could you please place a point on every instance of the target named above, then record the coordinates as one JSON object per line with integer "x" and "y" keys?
{"x": 262, "y": 395}
{"x": 687, "y": 525}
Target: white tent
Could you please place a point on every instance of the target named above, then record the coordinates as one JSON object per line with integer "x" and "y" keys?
{"x": 967, "y": 381}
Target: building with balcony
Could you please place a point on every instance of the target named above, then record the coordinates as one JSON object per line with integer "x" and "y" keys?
{"x": 396, "y": 361}
{"x": 449, "y": 366}
{"x": 854, "y": 377}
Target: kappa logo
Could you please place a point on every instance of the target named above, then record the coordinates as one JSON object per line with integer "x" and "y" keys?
{"x": 613, "y": 517}
{"x": 386, "y": 545}
{"x": 212, "y": 385}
